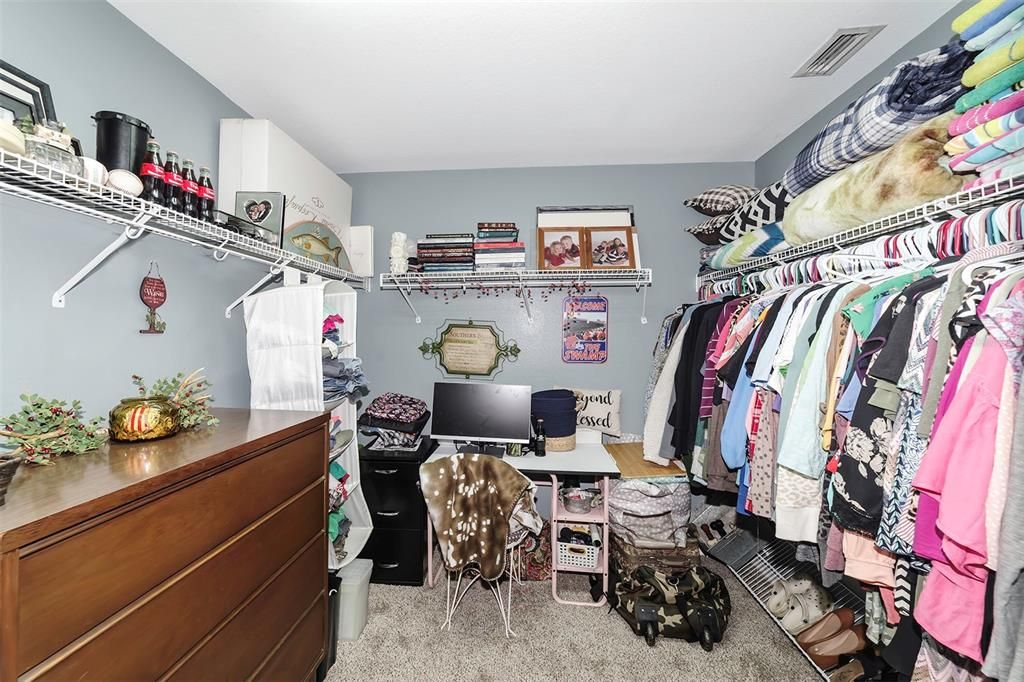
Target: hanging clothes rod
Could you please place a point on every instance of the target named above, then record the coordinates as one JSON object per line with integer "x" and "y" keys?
{"x": 931, "y": 213}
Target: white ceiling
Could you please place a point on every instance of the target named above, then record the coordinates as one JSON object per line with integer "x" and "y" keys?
{"x": 382, "y": 86}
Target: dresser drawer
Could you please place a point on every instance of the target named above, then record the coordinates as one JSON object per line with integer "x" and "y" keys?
{"x": 237, "y": 649}
{"x": 302, "y": 652}
{"x": 392, "y": 492}
{"x": 71, "y": 586}
{"x": 146, "y": 640}
{"x": 399, "y": 556}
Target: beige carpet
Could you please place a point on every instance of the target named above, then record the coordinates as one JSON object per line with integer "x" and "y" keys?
{"x": 403, "y": 641}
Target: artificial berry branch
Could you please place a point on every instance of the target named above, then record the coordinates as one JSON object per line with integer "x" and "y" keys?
{"x": 44, "y": 428}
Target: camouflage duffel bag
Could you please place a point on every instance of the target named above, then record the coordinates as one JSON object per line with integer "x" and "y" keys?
{"x": 692, "y": 605}
{"x": 627, "y": 557}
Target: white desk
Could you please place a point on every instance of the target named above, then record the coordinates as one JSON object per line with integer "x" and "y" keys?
{"x": 588, "y": 460}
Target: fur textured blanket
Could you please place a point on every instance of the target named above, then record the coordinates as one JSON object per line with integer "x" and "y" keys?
{"x": 475, "y": 502}
{"x": 901, "y": 177}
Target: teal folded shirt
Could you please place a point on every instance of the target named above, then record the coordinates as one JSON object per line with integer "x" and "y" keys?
{"x": 986, "y": 89}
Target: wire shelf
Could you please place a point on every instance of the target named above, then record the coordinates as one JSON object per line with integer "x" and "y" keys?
{"x": 639, "y": 277}
{"x": 952, "y": 206}
{"x": 39, "y": 183}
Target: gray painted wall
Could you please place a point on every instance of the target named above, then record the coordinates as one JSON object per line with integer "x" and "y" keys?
{"x": 774, "y": 163}
{"x": 454, "y": 201}
{"x": 90, "y": 349}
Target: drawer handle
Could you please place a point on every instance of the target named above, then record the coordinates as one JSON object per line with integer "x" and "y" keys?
{"x": 387, "y": 566}
{"x": 386, "y": 513}
{"x": 385, "y": 472}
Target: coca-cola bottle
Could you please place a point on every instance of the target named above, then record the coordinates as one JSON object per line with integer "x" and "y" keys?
{"x": 207, "y": 196}
{"x": 172, "y": 182}
{"x": 189, "y": 190}
{"x": 152, "y": 174}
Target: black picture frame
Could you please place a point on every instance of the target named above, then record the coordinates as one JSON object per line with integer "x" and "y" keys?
{"x": 39, "y": 92}
{"x": 15, "y": 106}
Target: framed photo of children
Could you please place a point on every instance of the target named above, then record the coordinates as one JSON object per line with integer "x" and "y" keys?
{"x": 561, "y": 248}
{"x": 610, "y": 248}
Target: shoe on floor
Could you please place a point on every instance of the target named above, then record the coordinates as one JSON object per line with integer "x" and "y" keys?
{"x": 852, "y": 671}
{"x": 832, "y": 624}
{"x": 782, "y": 590}
{"x": 826, "y": 654}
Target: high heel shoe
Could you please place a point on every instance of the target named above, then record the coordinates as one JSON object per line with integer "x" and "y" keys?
{"x": 826, "y": 654}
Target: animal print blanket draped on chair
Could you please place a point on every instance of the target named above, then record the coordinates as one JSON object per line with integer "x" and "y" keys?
{"x": 475, "y": 502}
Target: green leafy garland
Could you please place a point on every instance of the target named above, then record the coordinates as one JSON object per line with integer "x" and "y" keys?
{"x": 187, "y": 395}
{"x": 46, "y": 428}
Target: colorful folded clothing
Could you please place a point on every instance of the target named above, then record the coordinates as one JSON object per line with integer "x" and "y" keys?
{"x": 997, "y": 31}
{"x": 989, "y": 63}
{"x": 984, "y": 113}
{"x": 988, "y": 19}
{"x": 1006, "y": 78}
{"x": 1001, "y": 42}
{"x": 761, "y": 242}
{"x": 986, "y": 132}
{"x": 916, "y": 91}
{"x": 974, "y": 13}
{"x": 995, "y": 149}
{"x": 1006, "y": 167}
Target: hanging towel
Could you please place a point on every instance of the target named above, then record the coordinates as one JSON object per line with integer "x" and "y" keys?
{"x": 917, "y": 90}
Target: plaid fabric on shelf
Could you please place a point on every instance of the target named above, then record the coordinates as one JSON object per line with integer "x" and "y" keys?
{"x": 917, "y": 90}
{"x": 721, "y": 200}
{"x": 710, "y": 231}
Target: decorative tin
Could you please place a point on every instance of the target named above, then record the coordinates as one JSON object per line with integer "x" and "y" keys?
{"x": 136, "y": 419}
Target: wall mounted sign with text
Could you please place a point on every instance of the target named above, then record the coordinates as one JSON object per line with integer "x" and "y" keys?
{"x": 585, "y": 329}
{"x": 468, "y": 349}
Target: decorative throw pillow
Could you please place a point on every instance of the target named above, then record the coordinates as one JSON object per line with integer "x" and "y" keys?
{"x": 767, "y": 207}
{"x": 598, "y": 410}
{"x": 721, "y": 200}
{"x": 710, "y": 231}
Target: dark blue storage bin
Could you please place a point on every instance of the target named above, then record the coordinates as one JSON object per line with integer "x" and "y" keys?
{"x": 557, "y": 407}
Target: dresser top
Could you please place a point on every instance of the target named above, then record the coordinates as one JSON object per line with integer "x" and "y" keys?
{"x": 45, "y": 499}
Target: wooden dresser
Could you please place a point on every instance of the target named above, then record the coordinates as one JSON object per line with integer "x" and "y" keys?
{"x": 202, "y": 556}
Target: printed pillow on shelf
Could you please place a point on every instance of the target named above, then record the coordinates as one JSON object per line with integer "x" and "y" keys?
{"x": 598, "y": 410}
{"x": 721, "y": 200}
{"x": 709, "y": 232}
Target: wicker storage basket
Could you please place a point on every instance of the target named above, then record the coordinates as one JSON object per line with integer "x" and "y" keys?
{"x": 563, "y": 444}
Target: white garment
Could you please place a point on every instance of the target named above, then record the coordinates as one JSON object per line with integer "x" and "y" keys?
{"x": 661, "y": 400}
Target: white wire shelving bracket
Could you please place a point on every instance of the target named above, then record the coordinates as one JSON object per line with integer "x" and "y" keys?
{"x": 41, "y": 184}
{"x": 934, "y": 212}
{"x": 518, "y": 280}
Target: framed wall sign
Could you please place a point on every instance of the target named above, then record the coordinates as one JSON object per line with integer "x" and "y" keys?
{"x": 585, "y": 329}
{"x": 469, "y": 349}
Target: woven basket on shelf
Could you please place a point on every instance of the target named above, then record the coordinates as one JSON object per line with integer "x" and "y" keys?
{"x": 8, "y": 467}
{"x": 563, "y": 444}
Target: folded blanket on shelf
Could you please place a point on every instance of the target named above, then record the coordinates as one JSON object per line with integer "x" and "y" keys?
{"x": 978, "y": 11}
{"x": 1015, "y": 167}
{"x": 984, "y": 113}
{"x": 761, "y": 242}
{"x": 986, "y": 132}
{"x": 899, "y": 178}
{"x": 996, "y": 149}
{"x": 1007, "y": 78}
{"x": 997, "y": 31}
{"x": 989, "y": 19}
{"x": 916, "y": 91}
{"x": 988, "y": 63}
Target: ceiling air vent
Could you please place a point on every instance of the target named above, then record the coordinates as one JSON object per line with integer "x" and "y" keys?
{"x": 836, "y": 50}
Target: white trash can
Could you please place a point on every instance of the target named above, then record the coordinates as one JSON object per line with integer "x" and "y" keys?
{"x": 354, "y": 599}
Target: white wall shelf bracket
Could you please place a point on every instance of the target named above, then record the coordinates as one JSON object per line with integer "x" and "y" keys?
{"x": 275, "y": 270}
{"x": 408, "y": 301}
{"x": 524, "y": 294}
{"x": 130, "y": 233}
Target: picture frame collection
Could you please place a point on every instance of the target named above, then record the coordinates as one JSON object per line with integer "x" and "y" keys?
{"x": 586, "y": 248}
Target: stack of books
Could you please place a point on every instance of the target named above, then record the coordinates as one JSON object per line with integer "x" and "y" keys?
{"x": 445, "y": 253}
{"x": 498, "y": 247}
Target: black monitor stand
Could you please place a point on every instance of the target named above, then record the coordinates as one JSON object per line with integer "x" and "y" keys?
{"x": 485, "y": 447}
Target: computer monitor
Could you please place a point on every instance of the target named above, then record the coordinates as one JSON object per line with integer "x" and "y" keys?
{"x": 484, "y": 412}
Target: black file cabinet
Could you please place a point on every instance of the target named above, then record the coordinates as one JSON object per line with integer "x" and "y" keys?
{"x": 391, "y": 487}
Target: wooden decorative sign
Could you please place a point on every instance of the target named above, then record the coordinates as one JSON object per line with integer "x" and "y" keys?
{"x": 585, "y": 329}
{"x": 153, "y": 293}
{"x": 469, "y": 349}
